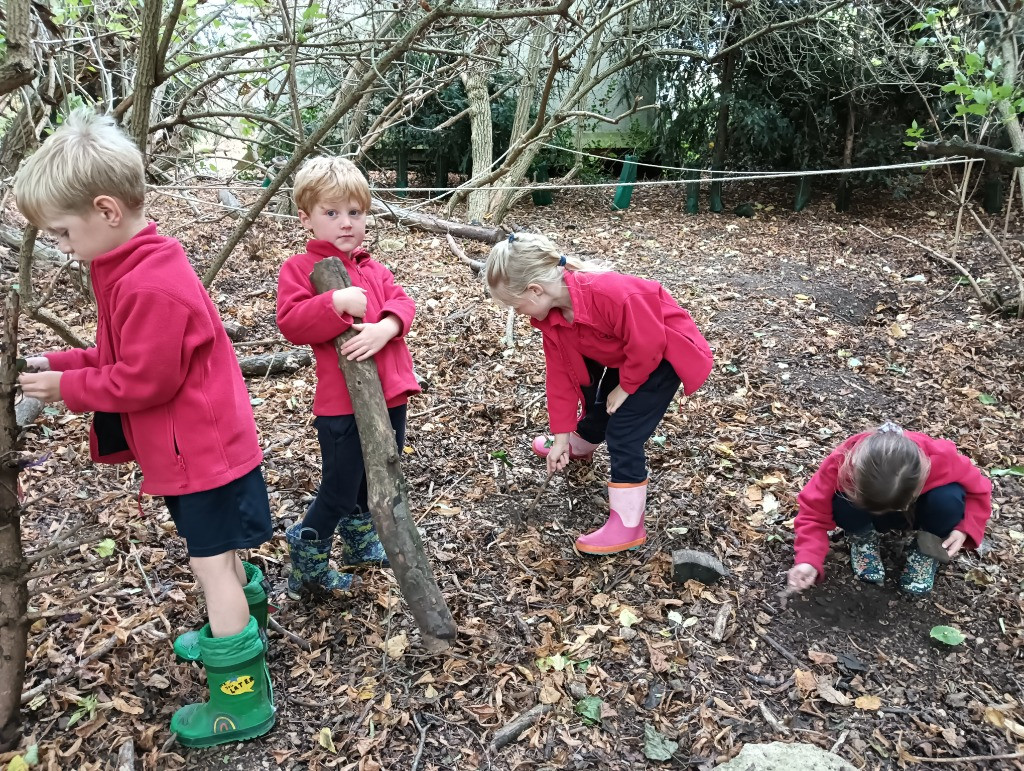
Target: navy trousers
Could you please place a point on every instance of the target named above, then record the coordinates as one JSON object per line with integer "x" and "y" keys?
{"x": 628, "y": 429}
{"x": 343, "y": 485}
{"x": 937, "y": 511}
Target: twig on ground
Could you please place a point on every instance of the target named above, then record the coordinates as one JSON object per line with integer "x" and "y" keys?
{"x": 511, "y": 731}
{"x": 536, "y": 498}
{"x": 777, "y": 646}
{"x": 423, "y": 733}
{"x": 145, "y": 578}
{"x": 300, "y": 641}
{"x": 967, "y": 759}
{"x": 72, "y": 601}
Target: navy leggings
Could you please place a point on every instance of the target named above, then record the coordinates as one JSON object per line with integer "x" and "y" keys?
{"x": 342, "y": 490}
{"x": 937, "y": 511}
{"x": 629, "y": 428}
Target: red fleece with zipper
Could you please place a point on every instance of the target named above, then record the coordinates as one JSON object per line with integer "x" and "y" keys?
{"x": 620, "y": 321}
{"x": 164, "y": 362}
{"x": 307, "y": 318}
{"x": 814, "y": 517}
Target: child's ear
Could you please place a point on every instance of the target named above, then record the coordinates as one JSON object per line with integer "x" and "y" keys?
{"x": 304, "y": 220}
{"x": 109, "y": 208}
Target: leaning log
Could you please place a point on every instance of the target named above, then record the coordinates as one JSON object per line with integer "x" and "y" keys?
{"x": 13, "y": 589}
{"x": 420, "y": 221}
{"x": 387, "y": 492}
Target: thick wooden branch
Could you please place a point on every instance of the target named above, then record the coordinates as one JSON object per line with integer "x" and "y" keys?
{"x": 275, "y": 363}
{"x": 385, "y": 483}
{"x": 957, "y": 147}
{"x": 400, "y": 216}
{"x": 475, "y": 265}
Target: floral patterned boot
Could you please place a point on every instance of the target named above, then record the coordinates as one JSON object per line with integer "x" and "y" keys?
{"x": 918, "y": 577}
{"x": 865, "y": 558}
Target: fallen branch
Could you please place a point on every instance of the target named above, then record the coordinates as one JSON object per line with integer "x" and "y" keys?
{"x": 985, "y": 301}
{"x": 476, "y": 266}
{"x": 773, "y": 721}
{"x": 126, "y": 756}
{"x": 721, "y": 620}
{"x": 275, "y": 363}
{"x": 957, "y": 147}
{"x": 511, "y": 731}
{"x": 431, "y": 224}
{"x": 1009, "y": 263}
{"x": 777, "y": 646}
{"x": 45, "y": 253}
{"x": 967, "y": 759}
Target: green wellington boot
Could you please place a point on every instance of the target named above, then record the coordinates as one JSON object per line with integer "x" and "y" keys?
{"x": 186, "y": 647}
{"x": 241, "y": 704}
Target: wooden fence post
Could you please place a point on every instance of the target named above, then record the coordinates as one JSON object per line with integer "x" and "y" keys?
{"x": 387, "y": 493}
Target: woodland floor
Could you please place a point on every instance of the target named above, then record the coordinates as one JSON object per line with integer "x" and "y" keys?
{"x": 819, "y": 330}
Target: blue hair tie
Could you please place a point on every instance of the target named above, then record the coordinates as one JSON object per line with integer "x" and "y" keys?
{"x": 511, "y": 237}
{"x": 561, "y": 261}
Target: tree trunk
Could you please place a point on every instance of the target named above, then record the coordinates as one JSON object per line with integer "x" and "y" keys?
{"x": 476, "y": 81}
{"x": 13, "y": 590}
{"x": 146, "y": 74}
{"x": 722, "y": 126}
{"x": 385, "y": 483}
{"x": 17, "y": 68}
{"x": 843, "y": 192}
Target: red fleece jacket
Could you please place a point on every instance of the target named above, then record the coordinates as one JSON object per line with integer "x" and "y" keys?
{"x": 623, "y": 322}
{"x": 307, "y": 318}
{"x": 814, "y": 517}
{"x": 164, "y": 362}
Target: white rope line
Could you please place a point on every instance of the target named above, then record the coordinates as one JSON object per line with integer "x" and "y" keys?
{"x": 749, "y": 176}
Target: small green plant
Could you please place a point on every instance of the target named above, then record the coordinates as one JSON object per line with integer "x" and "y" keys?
{"x": 87, "y": 706}
{"x": 947, "y": 635}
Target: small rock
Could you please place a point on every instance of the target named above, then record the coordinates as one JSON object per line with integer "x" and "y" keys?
{"x": 780, "y": 756}
{"x": 956, "y": 700}
{"x": 704, "y": 567}
{"x": 654, "y": 696}
{"x": 627, "y": 633}
{"x": 577, "y": 690}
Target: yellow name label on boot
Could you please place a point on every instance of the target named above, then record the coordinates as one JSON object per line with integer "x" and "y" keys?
{"x": 243, "y": 684}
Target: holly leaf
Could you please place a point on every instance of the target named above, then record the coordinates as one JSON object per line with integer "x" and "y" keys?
{"x": 656, "y": 745}
{"x": 947, "y": 635}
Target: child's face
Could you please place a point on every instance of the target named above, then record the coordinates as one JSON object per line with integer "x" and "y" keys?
{"x": 536, "y": 302}
{"x": 86, "y": 236}
{"x": 341, "y": 223}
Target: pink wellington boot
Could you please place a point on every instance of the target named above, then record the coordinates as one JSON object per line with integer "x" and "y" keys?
{"x": 625, "y": 526}
{"x": 579, "y": 449}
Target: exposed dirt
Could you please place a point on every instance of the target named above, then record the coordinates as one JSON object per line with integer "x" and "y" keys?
{"x": 819, "y": 329}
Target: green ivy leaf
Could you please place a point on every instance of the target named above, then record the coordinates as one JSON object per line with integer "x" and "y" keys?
{"x": 947, "y": 634}
{"x": 589, "y": 708}
{"x": 106, "y": 547}
{"x": 656, "y": 745}
{"x": 1012, "y": 471}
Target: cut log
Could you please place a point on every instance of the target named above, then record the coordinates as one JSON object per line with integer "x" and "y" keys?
{"x": 698, "y": 565}
{"x": 387, "y": 492}
{"x": 27, "y": 410}
{"x": 420, "y": 221}
{"x": 275, "y": 363}
{"x": 236, "y": 332}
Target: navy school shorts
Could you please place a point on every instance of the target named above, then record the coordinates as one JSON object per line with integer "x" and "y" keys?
{"x": 233, "y": 516}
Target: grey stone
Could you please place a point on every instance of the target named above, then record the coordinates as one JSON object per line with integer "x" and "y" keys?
{"x": 699, "y": 565}
{"x": 779, "y": 756}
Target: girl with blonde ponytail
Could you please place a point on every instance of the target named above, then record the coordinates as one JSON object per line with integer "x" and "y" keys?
{"x": 616, "y": 349}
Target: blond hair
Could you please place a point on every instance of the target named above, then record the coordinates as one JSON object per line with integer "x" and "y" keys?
{"x": 88, "y": 156}
{"x": 330, "y": 179}
{"x": 885, "y": 471}
{"x": 528, "y": 258}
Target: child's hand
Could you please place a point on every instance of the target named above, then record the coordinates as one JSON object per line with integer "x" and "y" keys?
{"x": 558, "y": 453}
{"x": 37, "y": 364}
{"x": 615, "y": 400}
{"x": 954, "y": 543}
{"x": 351, "y": 301}
{"x": 801, "y": 577}
{"x": 370, "y": 338}
{"x": 44, "y": 386}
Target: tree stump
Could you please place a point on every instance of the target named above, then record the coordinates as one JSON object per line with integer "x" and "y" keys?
{"x": 387, "y": 491}
{"x": 13, "y": 589}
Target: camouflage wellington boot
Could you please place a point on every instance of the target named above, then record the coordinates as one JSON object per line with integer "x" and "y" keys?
{"x": 359, "y": 542}
{"x": 311, "y": 564}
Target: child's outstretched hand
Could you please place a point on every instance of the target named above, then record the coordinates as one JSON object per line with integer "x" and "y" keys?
{"x": 954, "y": 542}
{"x": 558, "y": 453}
{"x": 351, "y": 300}
{"x": 615, "y": 400}
{"x": 370, "y": 338}
{"x": 44, "y": 386}
{"x": 801, "y": 577}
